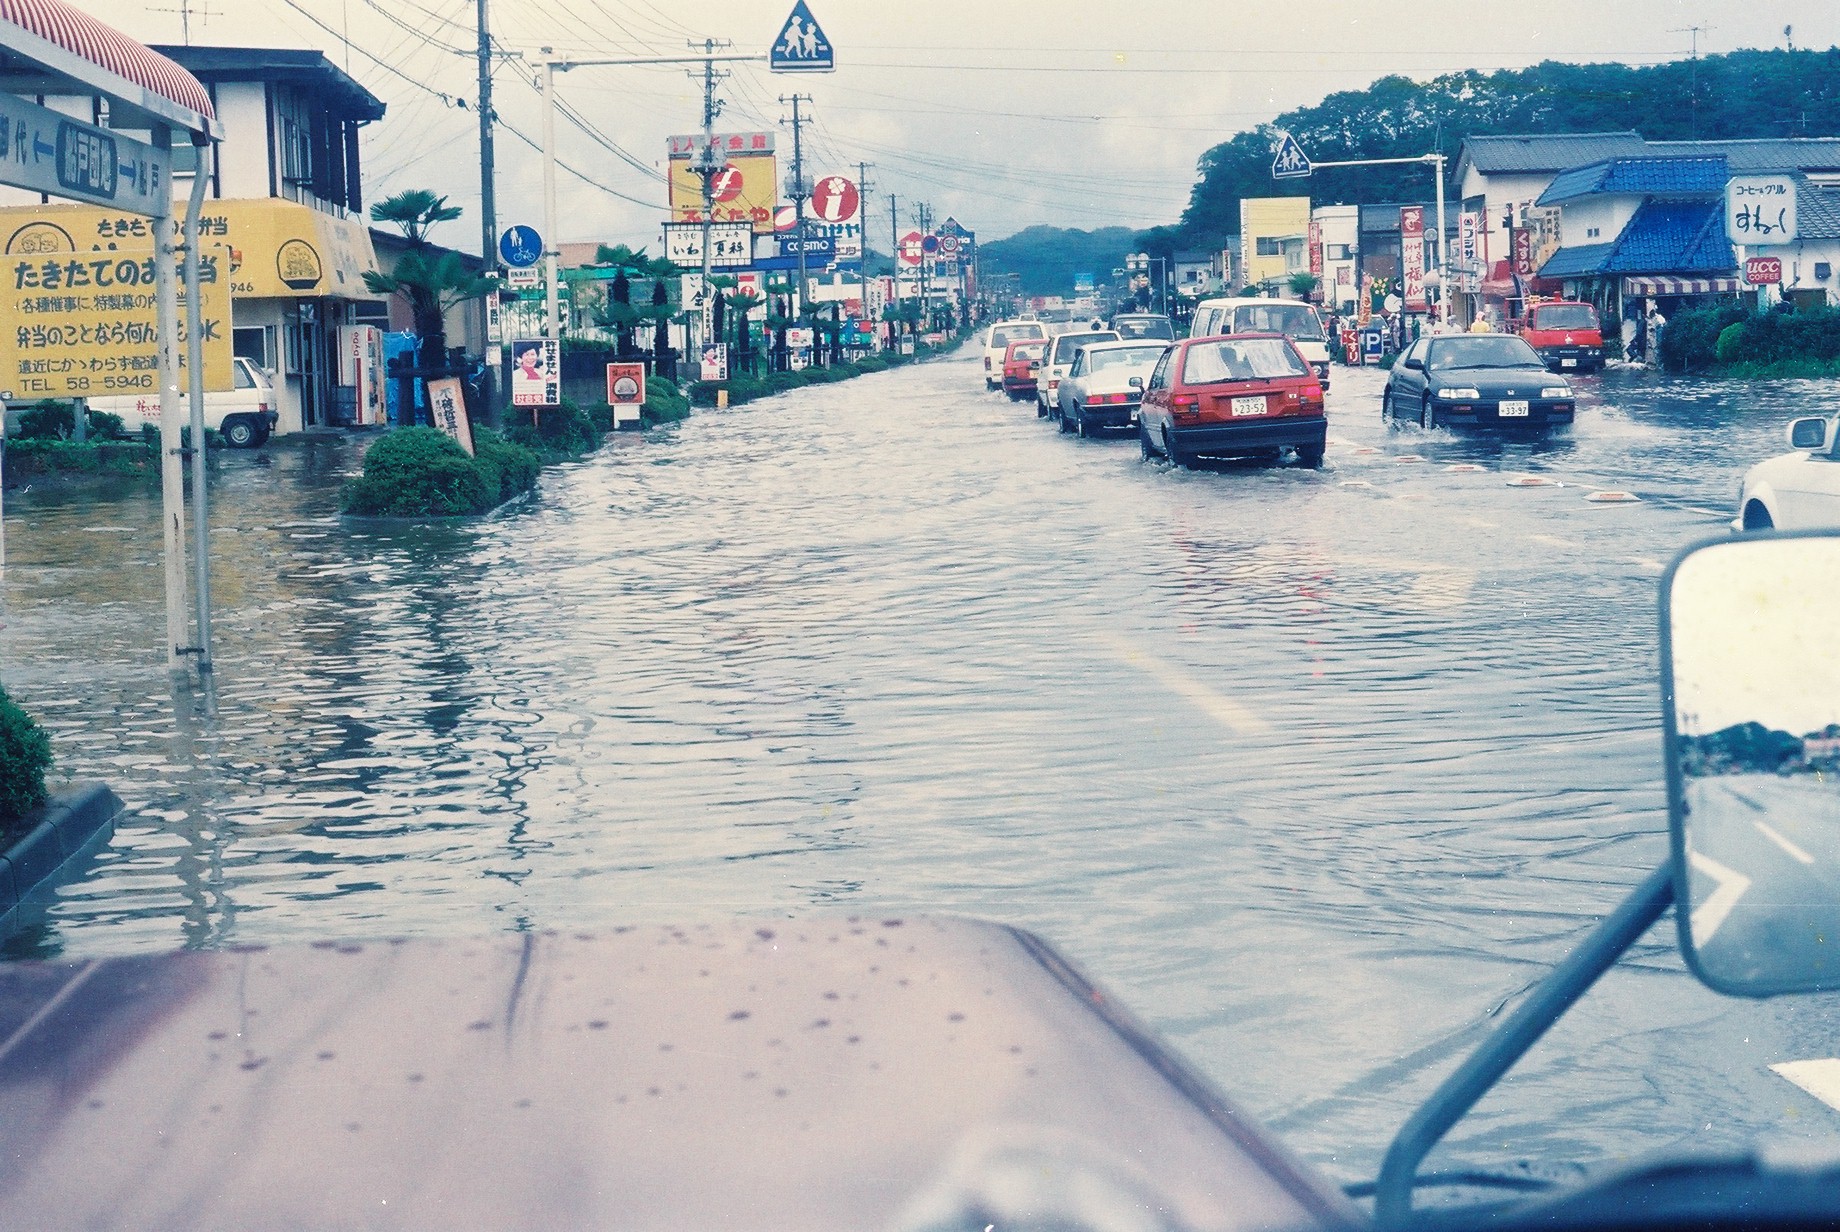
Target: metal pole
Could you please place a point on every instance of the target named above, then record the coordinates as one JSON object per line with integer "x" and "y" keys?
{"x": 194, "y": 370}
{"x": 172, "y": 471}
{"x": 1443, "y": 248}
{"x": 552, "y": 309}
{"x": 862, "y": 224}
{"x": 708, "y": 168}
{"x": 894, "y": 255}
{"x": 488, "y": 201}
{"x": 798, "y": 203}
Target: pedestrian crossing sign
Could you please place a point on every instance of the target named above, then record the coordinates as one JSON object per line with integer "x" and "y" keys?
{"x": 1289, "y": 162}
{"x": 801, "y": 46}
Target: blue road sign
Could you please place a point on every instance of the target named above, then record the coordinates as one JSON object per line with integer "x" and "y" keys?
{"x": 801, "y": 47}
{"x": 521, "y": 247}
{"x": 1290, "y": 162}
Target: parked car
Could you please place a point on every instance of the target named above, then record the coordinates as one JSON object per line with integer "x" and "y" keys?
{"x": 245, "y": 414}
{"x": 1021, "y": 363}
{"x": 1795, "y": 491}
{"x": 1294, "y": 319}
{"x": 1475, "y": 379}
{"x": 1244, "y": 394}
{"x": 1106, "y": 384}
{"x": 1144, "y": 325}
{"x": 1565, "y": 334}
{"x": 997, "y": 340}
{"x": 1054, "y": 365}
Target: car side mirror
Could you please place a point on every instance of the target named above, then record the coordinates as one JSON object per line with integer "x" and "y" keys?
{"x": 1813, "y": 433}
{"x": 1417, "y": 364}
{"x": 1751, "y": 711}
{"x": 1136, "y": 382}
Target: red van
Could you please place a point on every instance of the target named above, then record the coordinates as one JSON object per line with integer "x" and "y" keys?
{"x": 1566, "y": 334}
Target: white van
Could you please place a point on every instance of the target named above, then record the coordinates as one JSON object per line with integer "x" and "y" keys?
{"x": 245, "y": 414}
{"x": 997, "y": 340}
{"x": 1294, "y": 319}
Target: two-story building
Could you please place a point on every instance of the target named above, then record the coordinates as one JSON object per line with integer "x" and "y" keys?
{"x": 284, "y": 201}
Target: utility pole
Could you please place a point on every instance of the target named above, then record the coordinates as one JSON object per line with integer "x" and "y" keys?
{"x": 797, "y": 190}
{"x": 707, "y": 165}
{"x": 1693, "y": 76}
{"x": 488, "y": 200}
{"x": 922, "y": 216}
{"x": 862, "y": 219}
{"x": 894, "y": 253}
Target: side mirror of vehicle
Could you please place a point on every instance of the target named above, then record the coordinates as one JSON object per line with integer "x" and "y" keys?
{"x": 1751, "y": 709}
{"x": 1136, "y": 382}
{"x": 1416, "y": 364}
{"x": 1813, "y": 433}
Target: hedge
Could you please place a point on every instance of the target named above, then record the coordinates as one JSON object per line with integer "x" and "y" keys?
{"x": 423, "y": 472}
{"x": 25, "y": 755}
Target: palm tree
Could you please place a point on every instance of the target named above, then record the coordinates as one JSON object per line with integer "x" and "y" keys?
{"x": 432, "y": 281}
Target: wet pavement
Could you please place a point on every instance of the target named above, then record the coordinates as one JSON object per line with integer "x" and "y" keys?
{"x": 1316, "y": 769}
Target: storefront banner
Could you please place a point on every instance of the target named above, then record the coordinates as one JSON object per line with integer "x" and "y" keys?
{"x": 86, "y": 325}
{"x": 278, "y": 249}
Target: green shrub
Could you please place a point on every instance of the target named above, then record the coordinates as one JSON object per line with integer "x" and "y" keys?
{"x": 1689, "y": 341}
{"x": 25, "y": 755}
{"x": 663, "y": 403}
{"x": 419, "y": 472}
{"x": 1730, "y": 343}
{"x": 46, "y": 421}
{"x": 509, "y": 468}
{"x": 564, "y": 430}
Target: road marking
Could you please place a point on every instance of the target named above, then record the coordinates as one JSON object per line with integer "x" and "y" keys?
{"x": 1223, "y": 710}
{"x": 1782, "y": 842}
{"x": 1820, "y": 1078}
{"x": 1710, "y": 914}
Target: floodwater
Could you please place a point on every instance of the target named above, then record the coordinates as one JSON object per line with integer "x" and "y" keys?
{"x": 1317, "y": 770}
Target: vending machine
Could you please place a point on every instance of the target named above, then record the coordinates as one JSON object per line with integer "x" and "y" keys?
{"x": 361, "y": 373}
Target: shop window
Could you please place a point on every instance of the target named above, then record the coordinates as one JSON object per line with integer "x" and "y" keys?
{"x": 256, "y": 343}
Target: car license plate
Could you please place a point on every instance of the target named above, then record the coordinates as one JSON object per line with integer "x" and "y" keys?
{"x": 1513, "y": 410}
{"x": 1568, "y": 363}
{"x": 1250, "y": 406}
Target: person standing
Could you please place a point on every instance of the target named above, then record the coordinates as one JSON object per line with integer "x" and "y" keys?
{"x": 1632, "y": 338}
{"x": 1651, "y": 352}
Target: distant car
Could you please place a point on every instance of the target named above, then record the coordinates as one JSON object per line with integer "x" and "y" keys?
{"x": 1565, "y": 334}
{"x": 245, "y": 414}
{"x": 1106, "y": 384}
{"x": 1475, "y": 379}
{"x": 1795, "y": 491}
{"x": 1294, "y": 319}
{"x": 997, "y": 341}
{"x": 1054, "y": 365}
{"x": 1021, "y": 362}
{"x": 1144, "y": 325}
{"x": 1240, "y": 395}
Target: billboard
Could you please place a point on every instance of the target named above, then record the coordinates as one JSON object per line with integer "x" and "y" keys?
{"x": 746, "y": 189}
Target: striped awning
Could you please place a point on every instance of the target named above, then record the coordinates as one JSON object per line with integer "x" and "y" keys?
{"x": 1679, "y": 284}
{"x": 39, "y": 29}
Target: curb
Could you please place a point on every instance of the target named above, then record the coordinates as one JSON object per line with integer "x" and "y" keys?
{"x": 73, "y": 823}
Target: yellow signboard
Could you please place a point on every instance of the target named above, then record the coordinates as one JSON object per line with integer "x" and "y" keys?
{"x": 278, "y": 249}
{"x": 76, "y": 325}
{"x": 744, "y": 191}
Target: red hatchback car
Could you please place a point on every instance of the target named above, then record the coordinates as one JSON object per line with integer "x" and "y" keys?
{"x": 1021, "y": 363}
{"x": 1233, "y": 395}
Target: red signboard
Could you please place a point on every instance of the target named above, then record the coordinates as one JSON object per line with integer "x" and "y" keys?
{"x": 1761, "y": 270}
{"x": 626, "y": 384}
{"x": 913, "y": 247}
{"x": 834, "y": 199}
{"x": 1411, "y": 220}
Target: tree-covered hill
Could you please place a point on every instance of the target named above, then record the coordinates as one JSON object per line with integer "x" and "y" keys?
{"x": 1742, "y": 94}
{"x": 1047, "y": 258}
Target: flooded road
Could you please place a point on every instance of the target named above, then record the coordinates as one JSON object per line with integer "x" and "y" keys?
{"x": 1317, "y": 770}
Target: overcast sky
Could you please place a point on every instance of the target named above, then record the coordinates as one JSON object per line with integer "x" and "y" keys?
{"x": 1002, "y": 113}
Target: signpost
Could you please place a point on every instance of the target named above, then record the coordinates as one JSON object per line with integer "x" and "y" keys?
{"x": 731, "y": 244}
{"x": 447, "y": 405}
{"x": 536, "y": 372}
{"x": 52, "y": 153}
{"x": 625, "y": 392}
{"x": 913, "y": 248}
{"x": 834, "y": 198}
{"x": 1763, "y": 271}
{"x": 1289, "y": 161}
{"x": 801, "y": 46}
{"x": 715, "y": 361}
{"x": 1760, "y": 210}
{"x": 521, "y": 247}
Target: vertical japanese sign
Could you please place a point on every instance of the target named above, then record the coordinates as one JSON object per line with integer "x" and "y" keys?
{"x": 1316, "y": 250}
{"x": 1412, "y": 256}
{"x": 536, "y": 372}
{"x": 1523, "y": 252}
{"x": 79, "y": 325}
{"x": 1469, "y": 251}
{"x": 448, "y": 406}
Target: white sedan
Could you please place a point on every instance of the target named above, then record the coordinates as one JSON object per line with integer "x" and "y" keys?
{"x": 1105, "y": 385}
{"x": 1794, "y": 491}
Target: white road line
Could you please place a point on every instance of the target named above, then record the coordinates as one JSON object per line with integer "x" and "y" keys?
{"x": 1820, "y": 1078}
{"x": 1223, "y": 710}
{"x": 1710, "y": 914}
{"x": 1782, "y": 842}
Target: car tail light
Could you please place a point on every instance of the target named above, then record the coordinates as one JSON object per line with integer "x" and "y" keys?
{"x": 1185, "y": 404}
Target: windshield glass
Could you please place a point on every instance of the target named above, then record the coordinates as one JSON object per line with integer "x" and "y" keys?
{"x": 1003, "y": 335}
{"x": 1067, "y": 344}
{"x": 1564, "y": 316}
{"x": 1124, "y": 357}
{"x": 1249, "y": 359}
{"x": 1145, "y": 327}
{"x": 1481, "y": 351}
{"x": 1290, "y": 319}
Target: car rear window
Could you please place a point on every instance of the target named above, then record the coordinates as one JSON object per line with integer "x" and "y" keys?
{"x": 1564, "y": 316}
{"x": 1124, "y": 357}
{"x": 1028, "y": 350}
{"x": 1067, "y": 344}
{"x": 242, "y": 377}
{"x": 1004, "y": 335}
{"x": 1249, "y": 359}
{"x": 1145, "y": 329}
{"x": 1292, "y": 320}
